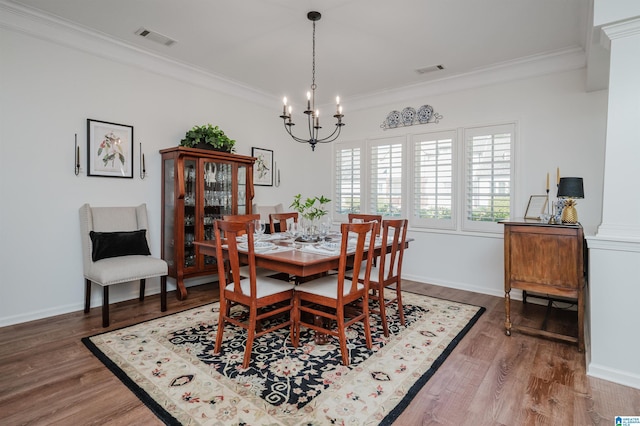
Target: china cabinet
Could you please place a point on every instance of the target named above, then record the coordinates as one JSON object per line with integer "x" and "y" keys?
{"x": 198, "y": 187}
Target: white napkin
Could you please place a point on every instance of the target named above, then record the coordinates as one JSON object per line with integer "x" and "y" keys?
{"x": 321, "y": 250}
{"x": 258, "y": 246}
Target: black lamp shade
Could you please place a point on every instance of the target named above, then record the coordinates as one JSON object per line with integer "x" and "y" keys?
{"x": 571, "y": 187}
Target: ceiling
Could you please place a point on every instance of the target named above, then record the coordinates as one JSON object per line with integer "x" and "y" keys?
{"x": 363, "y": 47}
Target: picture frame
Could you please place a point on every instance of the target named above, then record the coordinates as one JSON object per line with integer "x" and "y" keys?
{"x": 109, "y": 149}
{"x": 263, "y": 167}
{"x": 536, "y": 207}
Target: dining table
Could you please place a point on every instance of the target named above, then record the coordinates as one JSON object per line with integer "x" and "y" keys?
{"x": 296, "y": 258}
{"x": 299, "y": 259}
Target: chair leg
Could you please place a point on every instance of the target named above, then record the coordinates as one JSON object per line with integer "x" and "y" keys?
{"x": 105, "y": 306}
{"x": 342, "y": 336}
{"x": 142, "y": 286}
{"x": 87, "y": 295}
{"x": 399, "y": 302}
{"x": 163, "y": 293}
{"x": 295, "y": 322}
{"x": 383, "y": 313}
{"x": 251, "y": 333}
{"x": 220, "y": 332}
{"x": 365, "y": 321}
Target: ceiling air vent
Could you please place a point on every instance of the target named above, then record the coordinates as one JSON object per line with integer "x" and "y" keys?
{"x": 432, "y": 68}
{"x": 154, "y": 36}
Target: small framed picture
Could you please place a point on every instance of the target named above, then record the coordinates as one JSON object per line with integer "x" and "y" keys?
{"x": 109, "y": 149}
{"x": 263, "y": 167}
{"x": 536, "y": 207}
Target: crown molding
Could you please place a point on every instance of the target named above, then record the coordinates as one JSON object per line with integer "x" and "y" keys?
{"x": 34, "y": 23}
{"x": 533, "y": 66}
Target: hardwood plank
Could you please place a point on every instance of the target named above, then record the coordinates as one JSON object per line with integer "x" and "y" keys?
{"x": 48, "y": 377}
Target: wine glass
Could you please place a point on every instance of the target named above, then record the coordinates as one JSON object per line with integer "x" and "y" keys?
{"x": 259, "y": 228}
{"x": 325, "y": 227}
{"x": 293, "y": 230}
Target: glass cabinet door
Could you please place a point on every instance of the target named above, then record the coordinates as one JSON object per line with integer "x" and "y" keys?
{"x": 168, "y": 243}
{"x": 190, "y": 213}
{"x": 218, "y": 197}
{"x": 242, "y": 190}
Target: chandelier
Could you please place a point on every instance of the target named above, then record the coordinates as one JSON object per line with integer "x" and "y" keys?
{"x": 313, "y": 115}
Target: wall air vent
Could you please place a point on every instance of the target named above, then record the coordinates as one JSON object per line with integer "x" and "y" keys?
{"x": 154, "y": 36}
{"x": 432, "y": 68}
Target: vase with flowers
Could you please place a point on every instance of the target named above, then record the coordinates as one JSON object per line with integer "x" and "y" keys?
{"x": 311, "y": 210}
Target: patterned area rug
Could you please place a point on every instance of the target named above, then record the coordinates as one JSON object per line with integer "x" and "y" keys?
{"x": 170, "y": 365}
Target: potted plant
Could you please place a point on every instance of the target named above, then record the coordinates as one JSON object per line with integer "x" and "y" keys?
{"x": 208, "y": 137}
{"x": 311, "y": 210}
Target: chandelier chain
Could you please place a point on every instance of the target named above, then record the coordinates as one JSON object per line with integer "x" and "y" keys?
{"x": 313, "y": 63}
{"x": 313, "y": 115}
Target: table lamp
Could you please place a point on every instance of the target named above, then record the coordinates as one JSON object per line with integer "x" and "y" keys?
{"x": 570, "y": 188}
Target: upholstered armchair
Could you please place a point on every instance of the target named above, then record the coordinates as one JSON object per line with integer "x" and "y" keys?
{"x": 115, "y": 250}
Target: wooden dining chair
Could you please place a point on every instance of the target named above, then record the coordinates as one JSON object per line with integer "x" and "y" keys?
{"x": 244, "y": 218}
{"x": 255, "y": 293}
{"x": 355, "y": 217}
{"x": 241, "y": 217}
{"x": 281, "y": 220}
{"x": 328, "y": 297}
{"x": 388, "y": 272}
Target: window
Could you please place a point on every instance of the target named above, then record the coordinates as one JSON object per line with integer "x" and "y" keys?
{"x": 347, "y": 180}
{"x": 459, "y": 179}
{"x": 432, "y": 183}
{"x": 487, "y": 180}
{"x": 386, "y": 177}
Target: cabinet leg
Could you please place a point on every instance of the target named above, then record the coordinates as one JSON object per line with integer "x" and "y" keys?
{"x": 507, "y": 310}
{"x": 181, "y": 290}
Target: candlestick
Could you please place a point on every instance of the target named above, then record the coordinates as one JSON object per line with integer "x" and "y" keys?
{"x": 547, "y": 181}
{"x": 77, "y": 165}
{"x": 558, "y": 176}
{"x": 143, "y": 167}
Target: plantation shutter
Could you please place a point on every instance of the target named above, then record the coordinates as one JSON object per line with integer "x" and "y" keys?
{"x": 488, "y": 176}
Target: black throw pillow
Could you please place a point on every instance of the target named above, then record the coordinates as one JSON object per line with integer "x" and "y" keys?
{"x": 114, "y": 244}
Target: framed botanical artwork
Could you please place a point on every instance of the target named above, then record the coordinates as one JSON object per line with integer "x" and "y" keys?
{"x": 109, "y": 149}
{"x": 535, "y": 208}
{"x": 263, "y": 167}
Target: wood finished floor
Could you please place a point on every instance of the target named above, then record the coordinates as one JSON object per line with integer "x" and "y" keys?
{"x": 48, "y": 377}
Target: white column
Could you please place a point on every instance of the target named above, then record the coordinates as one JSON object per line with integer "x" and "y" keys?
{"x": 621, "y": 198}
{"x": 614, "y": 252}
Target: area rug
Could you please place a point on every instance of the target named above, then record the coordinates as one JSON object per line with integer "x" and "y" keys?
{"x": 170, "y": 365}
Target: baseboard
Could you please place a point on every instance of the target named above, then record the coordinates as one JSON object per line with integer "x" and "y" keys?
{"x": 613, "y": 375}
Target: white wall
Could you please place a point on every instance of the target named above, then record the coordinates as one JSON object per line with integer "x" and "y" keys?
{"x": 50, "y": 90}
{"x": 47, "y": 93}
{"x": 559, "y": 125}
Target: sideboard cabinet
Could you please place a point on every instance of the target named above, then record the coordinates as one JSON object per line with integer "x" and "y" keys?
{"x": 548, "y": 260}
{"x": 198, "y": 187}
